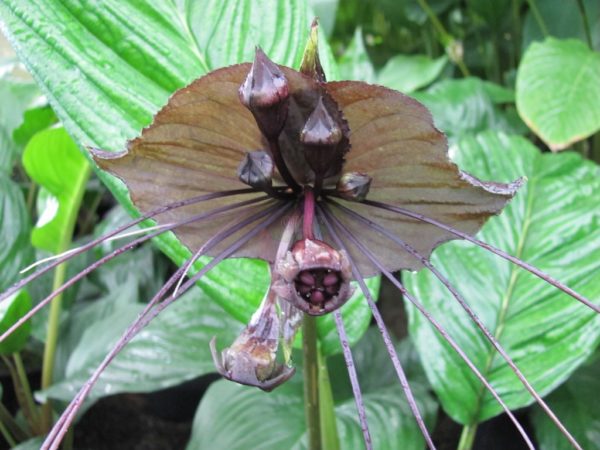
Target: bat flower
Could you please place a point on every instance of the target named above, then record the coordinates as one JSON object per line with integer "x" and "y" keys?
{"x": 329, "y": 182}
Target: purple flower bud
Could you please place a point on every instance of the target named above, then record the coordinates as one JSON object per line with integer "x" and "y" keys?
{"x": 256, "y": 170}
{"x": 321, "y": 135}
{"x": 314, "y": 277}
{"x": 354, "y": 186}
{"x": 265, "y": 93}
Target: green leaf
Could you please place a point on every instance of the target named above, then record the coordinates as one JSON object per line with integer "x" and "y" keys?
{"x": 407, "y": 73}
{"x": 552, "y": 223}
{"x": 34, "y": 121}
{"x": 468, "y": 106}
{"x": 558, "y": 91}
{"x": 355, "y": 64}
{"x": 237, "y": 417}
{"x": 30, "y": 444}
{"x": 562, "y": 22}
{"x": 576, "y": 403}
{"x": 11, "y": 310}
{"x": 17, "y": 95}
{"x": 16, "y": 251}
{"x": 54, "y": 162}
{"x": 172, "y": 349}
{"x": 105, "y": 82}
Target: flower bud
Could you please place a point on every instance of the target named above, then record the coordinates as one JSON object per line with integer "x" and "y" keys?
{"x": 265, "y": 93}
{"x": 321, "y": 135}
{"x": 354, "y": 186}
{"x": 256, "y": 170}
{"x": 251, "y": 359}
{"x": 314, "y": 277}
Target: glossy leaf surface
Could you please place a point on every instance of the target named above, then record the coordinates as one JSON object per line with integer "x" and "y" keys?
{"x": 407, "y": 73}
{"x": 54, "y": 162}
{"x": 172, "y": 349}
{"x": 12, "y": 310}
{"x": 553, "y": 224}
{"x": 237, "y": 417}
{"x": 558, "y": 91}
{"x": 577, "y": 403}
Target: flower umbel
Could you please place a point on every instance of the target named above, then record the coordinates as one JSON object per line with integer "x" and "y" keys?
{"x": 339, "y": 181}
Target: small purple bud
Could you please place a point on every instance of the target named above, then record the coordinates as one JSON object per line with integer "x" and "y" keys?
{"x": 256, "y": 170}
{"x": 314, "y": 277}
{"x": 354, "y": 186}
{"x": 321, "y": 137}
{"x": 321, "y": 129}
{"x": 265, "y": 93}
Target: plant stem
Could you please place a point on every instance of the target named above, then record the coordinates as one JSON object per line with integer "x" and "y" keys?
{"x": 329, "y": 438}
{"x": 11, "y": 426}
{"x": 30, "y": 409}
{"x": 51, "y": 343}
{"x": 586, "y": 24}
{"x": 311, "y": 382}
{"x": 467, "y": 437}
{"x": 19, "y": 390}
{"x": 538, "y": 17}
{"x": 445, "y": 38}
{"x": 9, "y": 439}
{"x": 64, "y": 242}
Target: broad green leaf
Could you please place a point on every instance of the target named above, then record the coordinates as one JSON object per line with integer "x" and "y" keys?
{"x": 12, "y": 310}
{"x": 17, "y": 96}
{"x": 355, "y": 64}
{"x": 16, "y": 251}
{"x": 562, "y": 22}
{"x": 576, "y": 403}
{"x": 468, "y": 106}
{"x": 407, "y": 73}
{"x": 54, "y": 162}
{"x": 558, "y": 91}
{"x": 106, "y": 82}
{"x": 552, "y": 223}
{"x": 238, "y": 417}
{"x": 172, "y": 349}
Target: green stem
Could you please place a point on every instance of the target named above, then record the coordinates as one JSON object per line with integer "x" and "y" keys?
{"x": 7, "y": 436}
{"x": 538, "y": 17}
{"x": 12, "y": 427}
{"x": 467, "y": 437}
{"x": 445, "y": 38}
{"x": 329, "y": 439}
{"x": 51, "y": 343}
{"x": 56, "y": 307}
{"x": 19, "y": 390}
{"x": 311, "y": 382}
{"x": 29, "y": 408}
{"x": 586, "y": 24}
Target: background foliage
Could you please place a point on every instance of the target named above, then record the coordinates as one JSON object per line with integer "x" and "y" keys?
{"x": 511, "y": 83}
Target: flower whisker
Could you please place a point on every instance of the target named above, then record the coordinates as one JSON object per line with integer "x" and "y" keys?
{"x": 360, "y": 405}
{"x": 129, "y": 246}
{"x": 438, "y": 327}
{"x": 330, "y": 221}
{"x": 528, "y": 267}
{"x": 150, "y": 214}
{"x": 460, "y": 299}
{"x": 154, "y": 307}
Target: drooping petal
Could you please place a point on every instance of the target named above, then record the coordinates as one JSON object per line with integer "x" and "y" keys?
{"x": 395, "y": 142}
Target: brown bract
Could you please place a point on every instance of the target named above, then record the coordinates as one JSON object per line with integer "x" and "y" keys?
{"x": 198, "y": 140}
